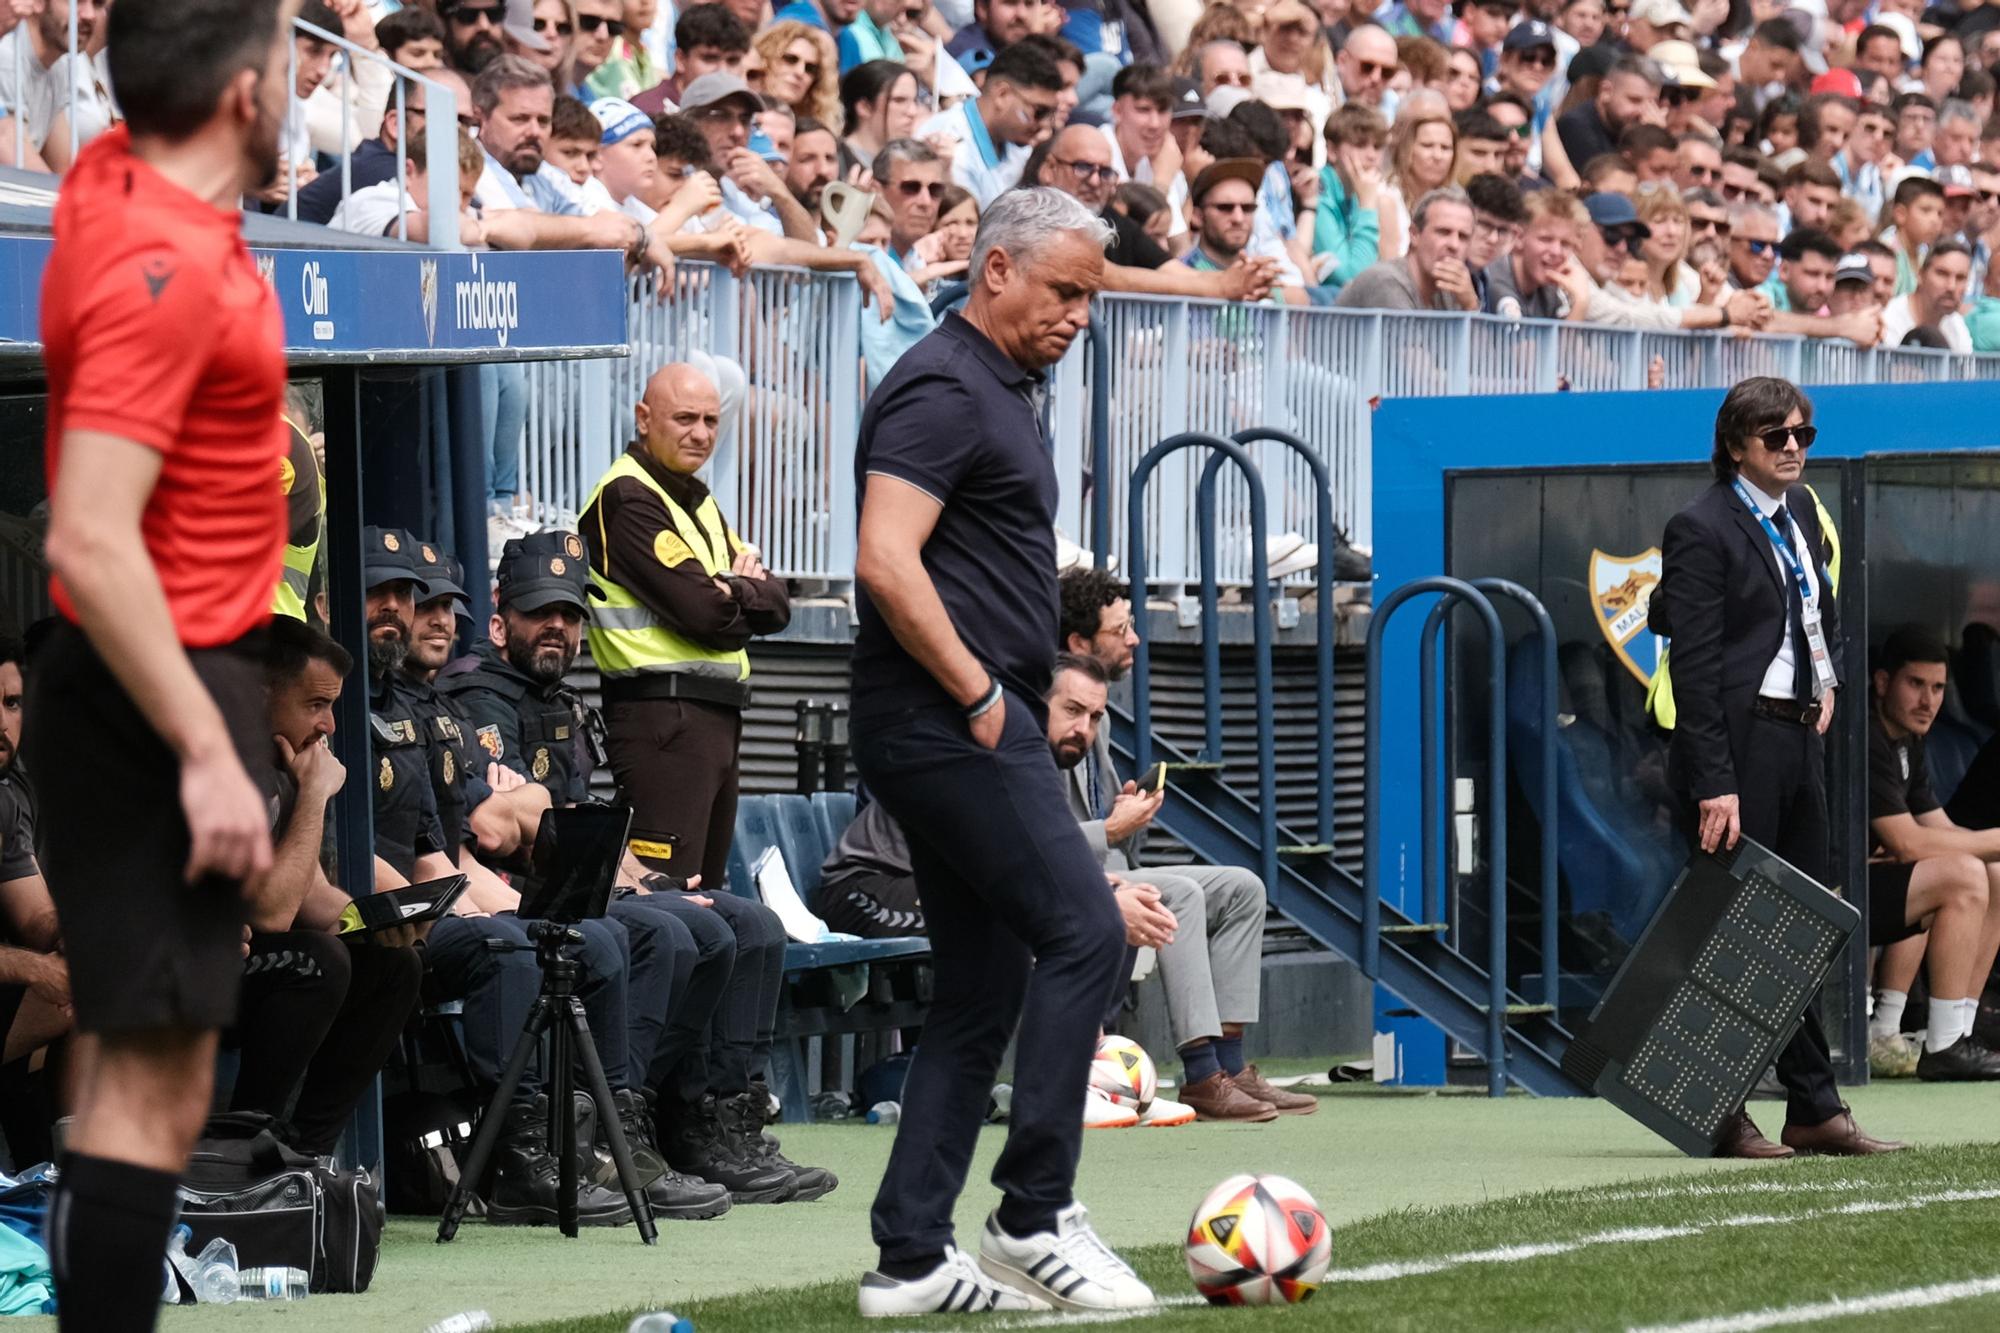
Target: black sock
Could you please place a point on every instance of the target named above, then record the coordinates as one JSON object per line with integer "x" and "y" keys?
{"x": 1019, "y": 1219}
{"x": 1229, "y": 1053}
{"x": 108, "y": 1224}
{"x": 906, "y": 1270}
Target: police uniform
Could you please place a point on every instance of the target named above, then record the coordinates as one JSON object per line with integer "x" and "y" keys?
{"x": 670, "y": 644}
{"x": 719, "y": 1036}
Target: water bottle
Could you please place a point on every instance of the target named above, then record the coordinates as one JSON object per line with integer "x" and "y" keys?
{"x": 215, "y": 1281}
{"x": 885, "y": 1113}
{"x": 471, "y": 1321}
{"x": 273, "y": 1284}
{"x": 660, "y": 1321}
{"x": 178, "y": 1265}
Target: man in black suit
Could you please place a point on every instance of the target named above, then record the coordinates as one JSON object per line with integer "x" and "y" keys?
{"x": 1745, "y": 598}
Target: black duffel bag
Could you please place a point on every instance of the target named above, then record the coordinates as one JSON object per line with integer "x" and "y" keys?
{"x": 279, "y": 1207}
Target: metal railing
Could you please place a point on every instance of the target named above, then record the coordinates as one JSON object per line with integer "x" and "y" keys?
{"x": 1149, "y": 368}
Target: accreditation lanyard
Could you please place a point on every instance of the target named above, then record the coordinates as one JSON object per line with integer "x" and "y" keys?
{"x": 1816, "y": 648}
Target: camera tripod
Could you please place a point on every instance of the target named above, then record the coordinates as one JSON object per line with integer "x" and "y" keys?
{"x": 558, "y": 1015}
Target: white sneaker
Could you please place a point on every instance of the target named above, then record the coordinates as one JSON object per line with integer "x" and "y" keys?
{"x": 1100, "y": 1112}
{"x": 1069, "y": 1267}
{"x": 955, "y": 1286}
{"x": 1163, "y": 1114}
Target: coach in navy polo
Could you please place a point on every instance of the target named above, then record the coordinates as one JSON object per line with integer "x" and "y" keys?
{"x": 959, "y": 606}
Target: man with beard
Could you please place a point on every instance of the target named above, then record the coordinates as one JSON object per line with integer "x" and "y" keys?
{"x": 711, "y": 1100}
{"x": 166, "y": 380}
{"x": 472, "y": 33}
{"x": 814, "y": 163}
{"x": 1212, "y": 966}
{"x": 498, "y": 985}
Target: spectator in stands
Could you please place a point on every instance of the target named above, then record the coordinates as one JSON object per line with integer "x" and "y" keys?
{"x": 1935, "y": 302}
{"x": 992, "y": 133}
{"x": 1669, "y": 280}
{"x": 50, "y": 73}
{"x": 880, "y": 102}
{"x": 599, "y": 25}
{"x": 1879, "y": 50}
{"x": 1138, "y": 214}
{"x": 1420, "y": 18}
{"x": 412, "y": 37}
{"x": 629, "y": 68}
{"x": 472, "y": 33}
{"x": 1615, "y": 233}
{"x": 1366, "y": 63}
{"x": 1770, "y": 62}
{"x": 1296, "y": 58}
{"x": 752, "y": 191}
{"x": 814, "y": 163}
{"x": 996, "y": 25}
{"x": 1916, "y": 126}
{"x": 1918, "y": 216}
{"x": 1777, "y": 134}
{"x": 1422, "y": 148}
{"x": 1956, "y": 140}
{"x": 374, "y": 159}
{"x": 708, "y": 39}
{"x": 1497, "y": 216}
{"x": 1481, "y": 146}
{"x": 1527, "y": 59}
{"x": 1740, "y": 180}
{"x": 1825, "y": 124}
{"x": 1070, "y": 162}
{"x": 1811, "y": 190}
{"x": 1609, "y": 174}
{"x": 1224, "y": 201}
{"x": 1221, "y": 64}
{"x": 912, "y": 181}
{"x": 828, "y": 16}
{"x": 801, "y": 69}
{"x": 1629, "y": 94}
{"x": 1853, "y": 287}
{"x": 1803, "y": 287}
{"x": 1433, "y": 275}
{"x": 1346, "y": 225}
{"x": 574, "y": 147}
{"x": 1140, "y": 145}
{"x": 1517, "y": 117}
{"x": 1849, "y": 223}
{"x": 1983, "y": 324}
{"x": 1753, "y": 245}
{"x": 401, "y": 209}
{"x": 545, "y": 38}
{"x": 1524, "y": 283}
{"x": 1928, "y": 878}
{"x": 871, "y": 36}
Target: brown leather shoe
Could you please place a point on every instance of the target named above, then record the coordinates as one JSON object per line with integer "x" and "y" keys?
{"x": 1218, "y": 1098}
{"x": 1740, "y": 1137}
{"x": 1838, "y": 1137}
{"x": 1288, "y": 1103}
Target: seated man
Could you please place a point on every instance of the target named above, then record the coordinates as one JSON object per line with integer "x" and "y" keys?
{"x": 1926, "y": 873}
{"x": 708, "y": 1082}
{"x": 867, "y": 886}
{"x": 1212, "y": 964}
{"x": 320, "y": 1012}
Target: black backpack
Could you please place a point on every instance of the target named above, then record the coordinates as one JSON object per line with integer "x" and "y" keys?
{"x": 279, "y": 1207}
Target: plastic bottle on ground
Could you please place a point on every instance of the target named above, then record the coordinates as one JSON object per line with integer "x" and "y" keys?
{"x": 273, "y": 1284}
{"x": 885, "y": 1113}
{"x": 660, "y": 1321}
{"x": 178, "y": 1261}
{"x": 215, "y": 1280}
{"x": 471, "y": 1321}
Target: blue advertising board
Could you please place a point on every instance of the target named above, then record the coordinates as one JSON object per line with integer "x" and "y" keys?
{"x": 402, "y": 305}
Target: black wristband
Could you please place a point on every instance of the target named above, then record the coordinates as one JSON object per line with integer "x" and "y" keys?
{"x": 986, "y": 702}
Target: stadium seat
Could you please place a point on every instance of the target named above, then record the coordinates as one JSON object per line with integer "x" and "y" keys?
{"x": 1949, "y": 750}
{"x": 836, "y": 810}
{"x": 1978, "y": 675}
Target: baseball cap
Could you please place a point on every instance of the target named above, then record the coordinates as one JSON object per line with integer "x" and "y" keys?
{"x": 1282, "y": 92}
{"x": 520, "y": 25}
{"x": 718, "y": 86}
{"x": 1226, "y": 98}
{"x": 388, "y": 555}
{"x": 1841, "y": 81}
{"x": 1678, "y": 61}
{"x": 1246, "y": 169}
{"x": 761, "y": 144}
{"x": 1527, "y": 35}
{"x": 1662, "y": 14}
{"x": 1957, "y": 181}
{"x": 544, "y": 570}
{"x": 1187, "y": 100}
{"x": 1853, "y": 268}
{"x": 442, "y": 575}
{"x": 1615, "y": 210}
{"x": 620, "y": 119}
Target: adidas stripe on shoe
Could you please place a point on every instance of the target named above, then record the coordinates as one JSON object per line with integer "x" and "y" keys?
{"x": 956, "y": 1286}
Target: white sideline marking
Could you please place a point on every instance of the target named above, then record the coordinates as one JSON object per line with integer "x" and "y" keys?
{"x": 1508, "y": 1254}
{"x": 1077, "y": 1318}
{"x": 1703, "y": 1190}
{"x": 1910, "y": 1298}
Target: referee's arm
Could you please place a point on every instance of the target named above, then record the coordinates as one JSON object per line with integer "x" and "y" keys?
{"x": 95, "y": 547}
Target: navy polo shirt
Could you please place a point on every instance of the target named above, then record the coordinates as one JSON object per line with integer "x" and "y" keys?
{"x": 960, "y": 422}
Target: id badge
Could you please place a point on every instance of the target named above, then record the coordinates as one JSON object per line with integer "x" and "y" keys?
{"x": 1816, "y": 648}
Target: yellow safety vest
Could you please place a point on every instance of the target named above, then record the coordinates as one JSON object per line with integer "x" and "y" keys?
{"x": 1660, "y": 693}
{"x": 626, "y": 638}
{"x": 295, "y": 581}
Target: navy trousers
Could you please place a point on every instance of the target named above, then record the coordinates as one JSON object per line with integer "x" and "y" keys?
{"x": 1023, "y": 930}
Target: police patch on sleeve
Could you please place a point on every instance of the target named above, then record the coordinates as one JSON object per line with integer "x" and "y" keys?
{"x": 387, "y": 777}
{"x": 541, "y": 764}
{"x": 670, "y": 550}
{"x": 489, "y": 741}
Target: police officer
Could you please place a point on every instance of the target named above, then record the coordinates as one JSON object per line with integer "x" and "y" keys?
{"x": 710, "y": 1103}
{"x": 679, "y": 598}
{"x": 661, "y": 953}
{"x": 498, "y": 987}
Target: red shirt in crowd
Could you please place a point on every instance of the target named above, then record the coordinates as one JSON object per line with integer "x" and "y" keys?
{"x": 157, "y": 328}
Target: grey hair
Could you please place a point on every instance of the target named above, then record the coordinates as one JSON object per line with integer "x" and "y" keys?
{"x": 1957, "y": 109}
{"x": 899, "y": 150}
{"x": 503, "y": 76}
{"x": 1448, "y": 194}
{"x": 1744, "y": 209}
{"x": 1021, "y": 221}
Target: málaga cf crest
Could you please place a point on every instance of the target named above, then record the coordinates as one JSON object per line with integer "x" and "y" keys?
{"x": 1620, "y": 589}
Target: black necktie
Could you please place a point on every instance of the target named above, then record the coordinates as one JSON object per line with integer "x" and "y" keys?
{"x": 1803, "y": 678}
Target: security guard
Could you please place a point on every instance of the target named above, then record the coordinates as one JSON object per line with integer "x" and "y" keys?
{"x": 499, "y": 988}
{"x": 661, "y": 954}
{"x": 680, "y": 596}
{"x": 710, "y": 1102}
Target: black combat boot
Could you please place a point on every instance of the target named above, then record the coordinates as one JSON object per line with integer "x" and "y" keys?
{"x": 673, "y": 1195}
{"x": 526, "y": 1182}
{"x": 743, "y": 1119}
{"x": 695, "y": 1142}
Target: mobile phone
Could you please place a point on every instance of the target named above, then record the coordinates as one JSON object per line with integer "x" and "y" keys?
{"x": 1153, "y": 779}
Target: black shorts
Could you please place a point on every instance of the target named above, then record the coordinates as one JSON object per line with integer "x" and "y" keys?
{"x": 146, "y": 949}
{"x": 1889, "y": 902}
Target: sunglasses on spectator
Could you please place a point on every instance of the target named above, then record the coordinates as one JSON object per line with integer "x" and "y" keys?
{"x": 1706, "y": 175}
{"x": 1617, "y": 236}
{"x": 556, "y": 26}
{"x": 1776, "y": 438}
{"x": 1537, "y": 55}
{"x": 1250, "y": 207}
{"x": 1759, "y": 247}
{"x": 471, "y": 16}
{"x": 1521, "y": 131}
{"x": 911, "y": 189}
{"x": 1709, "y": 226}
{"x": 735, "y": 115}
{"x": 1233, "y": 79}
{"x": 811, "y": 67}
{"x": 590, "y": 23}
{"x": 1088, "y": 171}
{"x": 1733, "y": 193}
{"x": 1617, "y": 11}
{"x": 1368, "y": 67}
{"x": 1989, "y": 196}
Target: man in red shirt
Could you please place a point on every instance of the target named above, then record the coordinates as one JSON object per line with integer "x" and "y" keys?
{"x": 166, "y": 375}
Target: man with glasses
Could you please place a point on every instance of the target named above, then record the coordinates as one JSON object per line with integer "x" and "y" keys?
{"x": 994, "y": 131}
{"x": 1697, "y": 162}
{"x": 1935, "y": 302}
{"x": 1708, "y": 218}
{"x": 1366, "y": 63}
{"x": 1614, "y": 235}
{"x": 752, "y": 192}
{"x": 1527, "y": 59}
{"x": 1221, "y": 64}
{"x": 472, "y": 33}
{"x": 1497, "y": 216}
{"x": 1434, "y": 274}
{"x": 1859, "y": 162}
{"x": 599, "y": 25}
{"x": 1753, "y": 245}
{"x": 1744, "y": 595}
{"x": 1078, "y": 162}
{"x": 1516, "y": 115}
{"x": 910, "y": 177}
{"x": 1916, "y": 126}
{"x": 1740, "y": 179}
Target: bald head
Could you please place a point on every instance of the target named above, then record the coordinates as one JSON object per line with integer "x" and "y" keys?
{"x": 461, "y": 91}
{"x": 1079, "y": 164}
{"x": 678, "y": 418}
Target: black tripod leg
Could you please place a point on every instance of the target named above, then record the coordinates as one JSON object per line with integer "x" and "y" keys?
{"x": 607, "y": 1115}
{"x": 540, "y": 1020}
{"x": 562, "y": 1114}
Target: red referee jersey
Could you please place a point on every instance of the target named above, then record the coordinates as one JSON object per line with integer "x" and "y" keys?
{"x": 158, "y": 329}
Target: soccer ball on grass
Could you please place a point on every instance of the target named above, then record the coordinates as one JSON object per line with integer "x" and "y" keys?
{"x": 1258, "y": 1240}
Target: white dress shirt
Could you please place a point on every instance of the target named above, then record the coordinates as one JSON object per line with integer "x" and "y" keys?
{"x": 1781, "y": 676}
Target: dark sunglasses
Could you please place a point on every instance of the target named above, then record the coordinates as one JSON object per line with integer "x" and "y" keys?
{"x": 1989, "y": 196}
{"x": 1704, "y": 174}
{"x": 557, "y": 26}
{"x": 1522, "y": 131}
{"x": 1736, "y": 192}
{"x": 1617, "y": 236}
{"x": 1709, "y": 225}
{"x": 1776, "y": 438}
{"x": 1537, "y": 55}
{"x": 1368, "y": 67}
{"x": 1233, "y": 208}
{"x": 590, "y": 23}
{"x": 811, "y": 66}
{"x": 911, "y": 189}
{"x": 1759, "y": 247}
{"x": 471, "y": 16}
{"x": 1089, "y": 171}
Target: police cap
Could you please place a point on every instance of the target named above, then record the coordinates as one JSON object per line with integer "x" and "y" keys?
{"x": 542, "y": 570}
{"x": 389, "y": 555}
{"x": 442, "y": 575}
